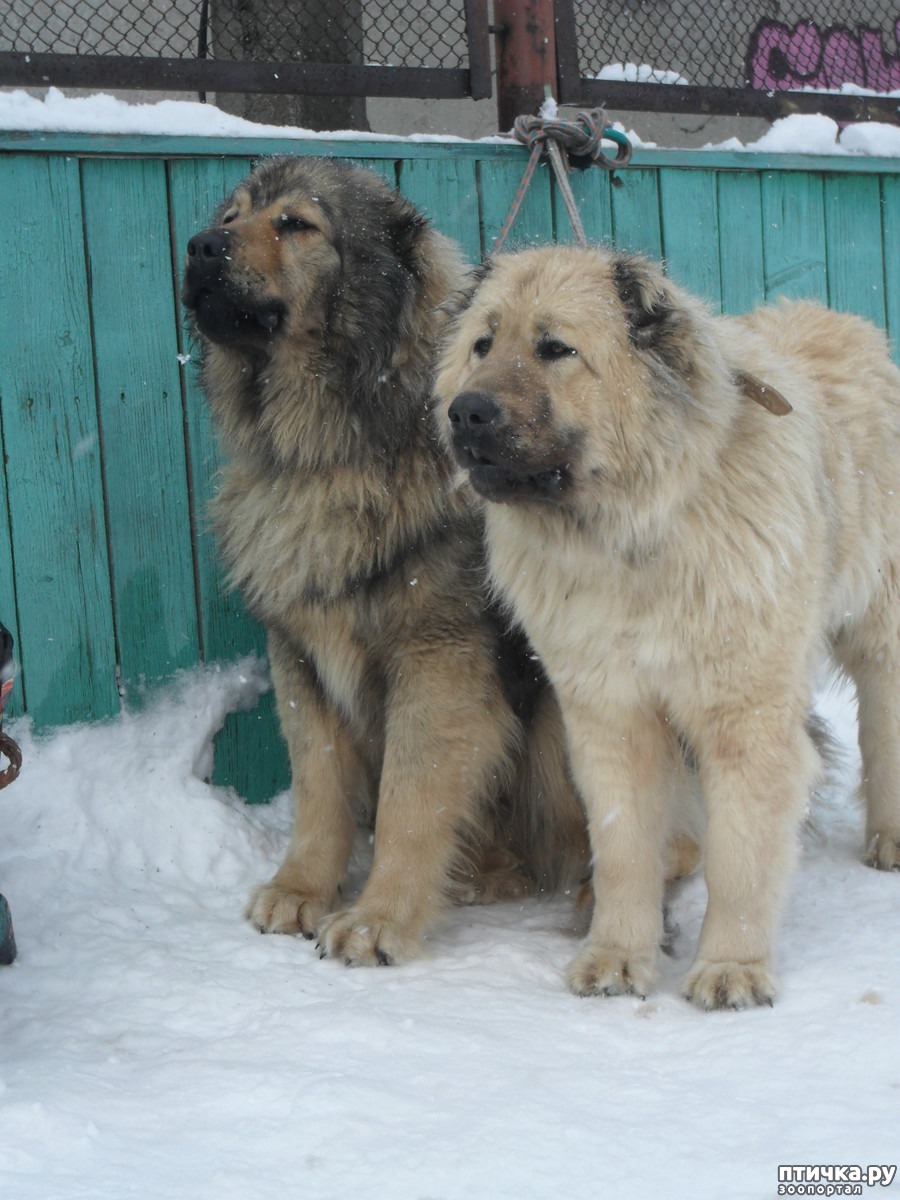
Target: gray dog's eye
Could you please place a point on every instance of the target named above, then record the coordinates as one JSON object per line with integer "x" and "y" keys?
{"x": 293, "y": 224}
{"x": 230, "y": 216}
{"x": 548, "y": 349}
{"x": 483, "y": 346}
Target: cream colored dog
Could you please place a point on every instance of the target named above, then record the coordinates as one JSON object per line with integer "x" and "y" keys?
{"x": 680, "y": 557}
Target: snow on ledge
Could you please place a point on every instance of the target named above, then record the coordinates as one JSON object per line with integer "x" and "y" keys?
{"x": 101, "y": 113}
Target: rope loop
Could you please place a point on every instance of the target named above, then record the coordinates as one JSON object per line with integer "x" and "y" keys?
{"x": 582, "y": 139}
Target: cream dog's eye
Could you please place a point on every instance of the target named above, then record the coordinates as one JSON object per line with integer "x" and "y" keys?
{"x": 483, "y": 346}
{"x": 549, "y": 349}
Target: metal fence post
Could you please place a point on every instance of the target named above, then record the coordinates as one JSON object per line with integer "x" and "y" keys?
{"x": 526, "y": 57}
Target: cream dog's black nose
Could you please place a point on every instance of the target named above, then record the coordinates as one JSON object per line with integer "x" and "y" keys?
{"x": 471, "y": 409}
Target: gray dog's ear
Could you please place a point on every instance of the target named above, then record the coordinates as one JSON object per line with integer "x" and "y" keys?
{"x": 404, "y": 226}
{"x": 456, "y": 304}
{"x": 655, "y": 322}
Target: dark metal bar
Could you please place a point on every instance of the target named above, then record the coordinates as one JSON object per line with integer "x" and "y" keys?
{"x": 567, "y": 71}
{"x": 193, "y": 75}
{"x": 479, "y": 43}
{"x": 203, "y": 38}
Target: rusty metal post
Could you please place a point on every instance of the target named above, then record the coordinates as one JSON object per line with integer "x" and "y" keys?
{"x": 526, "y": 57}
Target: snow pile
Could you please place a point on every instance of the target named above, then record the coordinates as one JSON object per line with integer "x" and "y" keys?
{"x": 818, "y": 134}
{"x": 102, "y": 113}
{"x": 639, "y": 73}
{"x": 55, "y": 112}
{"x": 154, "y": 1045}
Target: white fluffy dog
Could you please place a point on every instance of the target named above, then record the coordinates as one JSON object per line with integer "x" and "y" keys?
{"x": 680, "y": 558}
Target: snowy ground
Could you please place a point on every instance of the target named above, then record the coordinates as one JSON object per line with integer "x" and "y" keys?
{"x": 153, "y": 1045}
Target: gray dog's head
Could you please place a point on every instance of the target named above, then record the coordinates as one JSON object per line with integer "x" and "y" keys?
{"x": 305, "y": 253}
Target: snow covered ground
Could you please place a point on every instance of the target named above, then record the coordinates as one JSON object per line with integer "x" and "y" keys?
{"x": 152, "y": 1044}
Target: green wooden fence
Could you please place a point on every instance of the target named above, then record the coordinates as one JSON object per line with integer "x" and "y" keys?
{"x": 108, "y": 574}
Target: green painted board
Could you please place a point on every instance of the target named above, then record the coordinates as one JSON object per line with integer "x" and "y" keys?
{"x": 635, "y": 213}
{"x": 377, "y": 146}
{"x": 689, "y": 213}
{"x": 448, "y": 194}
{"x": 380, "y": 147}
{"x": 499, "y": 183}
{"x": 855, "y": 256}
{"x": 591, "y": 192}
{"x": 14, "y": 706}
{"x": 794, "y": 235}
{"x": 139, "y": 393}
{"x": 890, "y": 196}
{"x": 196, "y": 188}
{"x": 250, "y": 755}
{"x": 66, "y": 644}
{"x": 385, "y": 167}
{"x": 742, "y": 267}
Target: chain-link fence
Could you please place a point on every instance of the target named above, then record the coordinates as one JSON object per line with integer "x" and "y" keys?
{"x": 756, "y": 58}
{"x": 357, "y": 47}
{"x": 811, "y": 43}
{"x": 120, "y": 27}
{"x": 388, "y": 33}
{"x": 733, "y": 56}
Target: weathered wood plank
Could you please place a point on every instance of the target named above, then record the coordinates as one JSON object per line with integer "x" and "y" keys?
{"x": 591, "y": 190}
{"x": 139, "y": 393}
{"x": 52, "y": 449}
{"x": 14, "y": 706}
{"x": 448, "y": 194}
{"x": 689, "y": 215}
{"x": 794, "y": 236}
{"x": 890, "y": 240}
{"x": 499, "y": 182}
{"x": 742, "y": 267}
{"x": 249, "y": 753}
{"x": 378, "y": 147}
{"x": 196, "y": 189}
{"x": 385, "y": 167}
{"x": 636, "y": 213}
{"x": 854, "y": 252}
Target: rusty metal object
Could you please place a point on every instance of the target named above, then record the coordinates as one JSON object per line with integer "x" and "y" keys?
{"x": 526, "y": 57}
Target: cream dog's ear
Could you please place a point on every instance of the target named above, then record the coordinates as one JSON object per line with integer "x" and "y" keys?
{"x": 658, "y": 323}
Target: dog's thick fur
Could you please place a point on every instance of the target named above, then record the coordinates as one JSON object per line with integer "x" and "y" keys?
{"x": 680, "y": 557}
{"x": 316, "y": 294}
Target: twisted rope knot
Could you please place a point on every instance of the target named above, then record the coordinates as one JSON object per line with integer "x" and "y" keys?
{"x": 582, "y": 140}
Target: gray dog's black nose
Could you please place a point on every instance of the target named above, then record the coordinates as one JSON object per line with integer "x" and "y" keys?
{"x": 470, "y": 409}
{"x": 212, "y": 243}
